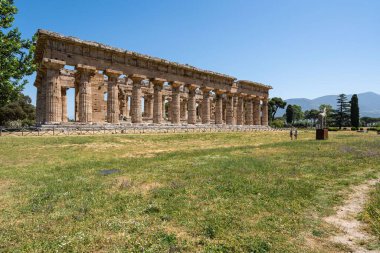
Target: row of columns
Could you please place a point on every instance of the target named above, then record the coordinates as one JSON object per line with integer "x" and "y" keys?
{"x": 238, "y": 109}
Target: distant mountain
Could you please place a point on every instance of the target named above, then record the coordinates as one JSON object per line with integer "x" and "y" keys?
{"x": 369, "y": 103}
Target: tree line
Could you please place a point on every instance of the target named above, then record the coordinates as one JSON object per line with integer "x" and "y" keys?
{"x": 346, "y": 114}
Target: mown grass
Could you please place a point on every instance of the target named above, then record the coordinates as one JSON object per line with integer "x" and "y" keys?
{"x": 220, "y": 192}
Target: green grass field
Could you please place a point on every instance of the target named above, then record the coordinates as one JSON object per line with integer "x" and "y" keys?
{"x": 219, "y": 192}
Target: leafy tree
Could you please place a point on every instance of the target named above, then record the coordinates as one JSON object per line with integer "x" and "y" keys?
{"x": 289, "y": 114}
{"x": 311, "y": 115}
{"x": 16, "y": 59}
{"x": 274, "y": 104}
{"x": 355, "y": 119}
{"x": 297, "y": 113}
{"x": 342, "y": 114}
{"x": 20, "y": 110}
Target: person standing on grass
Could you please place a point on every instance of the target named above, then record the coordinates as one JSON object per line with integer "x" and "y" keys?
{"x": 295, "y": 134}
{"x": 291, "y": 133}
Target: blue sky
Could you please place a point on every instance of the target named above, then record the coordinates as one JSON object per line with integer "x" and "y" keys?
{"x": 303, "y": 48}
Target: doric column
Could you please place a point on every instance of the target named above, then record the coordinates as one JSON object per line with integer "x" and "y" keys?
{"x": 235, "y": 110}
{"x": 240, "y": 110}
{"x": 64, "y": 104}
{"x": 40, "y": 103}
{"x": 124, "y": 110}
{"x": 230, "y": 109}
{"x": 146, "y": 102}
{"x": 113, "y": 96}
{"x": 136, "y": 98}
{"x": 224, "y": 110}
{"x": 249, "y": 111}
{"x": 53, "y": 110}
{"x": 219, "y": 107}
{"x": 191, "y": 105}
{"x": 175, "y": 103}
{"x": 264, "y": 120}
{"x": 158, "y": 107}
{"x": 150, "y": 106}
{"x": 256, "y": 111}
{"x": 169, "y": 109}
{"x": 83, "y": 81}
{"x": 206, "y": 106}
{"x": 184, "y": 109}
{"x": 163, "y": 108}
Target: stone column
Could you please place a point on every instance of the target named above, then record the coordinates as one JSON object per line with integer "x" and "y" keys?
{"x": 184, "y": 109}
{"x": 83, "y": 81}
{"x": 206, "y": 106}
{"x": 136, "y": 98}
{"x": 158, "y": 102}
{"x": 235, "y": 110}
{"x": 224, "y": 110}
{"x": 53, "y": 110}
{"x": 150, "y": 106}
{"x": 219, "y": 107}
{"x": 40, "y": 108}
{"x": 64, "y": 104}
{"x": 249, "y": 111}
{"x": 163, "y": 107}
{"x": 169, "y": 109}
{"x": 113, "y": 113}
{"x": 175, "y": 103}
{"x": 191, "y": 105}
{"x": 240, "y": 110}
{"x": 146, "y": 102}
{"x": 230, "y": 109}
{"x": 124, "y": 105}
{"x": 256, "y": 111}
{"x": 264, "y": 120}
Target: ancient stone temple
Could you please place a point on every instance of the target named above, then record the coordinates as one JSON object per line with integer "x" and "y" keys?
{"x": 116, "y": 86}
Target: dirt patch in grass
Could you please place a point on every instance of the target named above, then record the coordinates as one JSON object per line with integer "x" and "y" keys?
{"x": 352, "y": 234}
{"x": 125, "y": 183}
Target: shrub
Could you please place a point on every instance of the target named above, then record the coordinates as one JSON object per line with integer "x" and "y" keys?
{"x": 278, "y": 123}
{"x": 354, "y": 129}
{"x": 333, "y": 129}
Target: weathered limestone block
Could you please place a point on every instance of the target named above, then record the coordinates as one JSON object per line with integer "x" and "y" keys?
{"x": 158, "y": 102}
{"x": 206, "y": 106}
{"x": 83, "y": 80}
{"x": 53, "y": 110}
{"x": 175, "y": 103}
{"x": 191, "y": 105}
{"x": 136, "y": 98}
{"x": 113, "y": 113}
{"x": 256, "y": 111}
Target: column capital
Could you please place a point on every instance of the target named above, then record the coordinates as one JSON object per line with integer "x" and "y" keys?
{"x": 206, "y": 89}
{"x": 158, "y": 81}
{"x": 191, "y": 86}
{"x": 53, "y": 64}
{"x": 137, "y": 78}
{"x": 112, "y": 73}
{"x": 220, "y": 91}
{"x": 176, "y": 84}
{"x": 85, "y": 68}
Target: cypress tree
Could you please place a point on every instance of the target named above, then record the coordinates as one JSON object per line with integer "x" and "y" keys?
{"x": 355, "y": 111}
{"x": 289, "y": 114}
